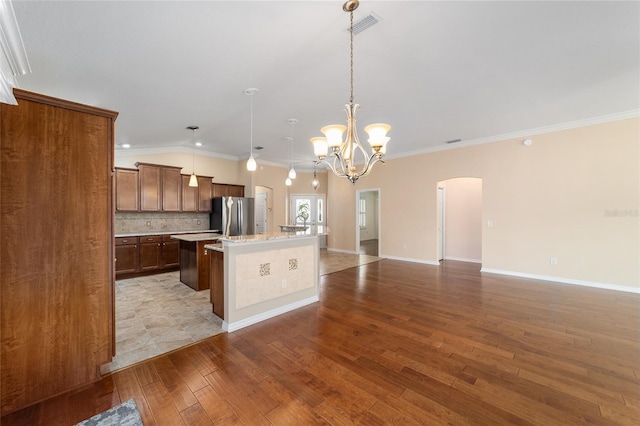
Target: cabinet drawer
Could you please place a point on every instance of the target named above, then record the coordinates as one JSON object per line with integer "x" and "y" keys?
{"x": 167, "y": 237}
{"x": 126, "y": 241}
{"x": 151, "y": 239}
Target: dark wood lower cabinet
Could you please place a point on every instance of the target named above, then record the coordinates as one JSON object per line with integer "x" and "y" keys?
{"x": 170, "y": 252}
{"x": 145, "y": 255}
{"x": 194, "y": 264}
{"x": 150, "y": 253}
{"x": 126, "y": 258}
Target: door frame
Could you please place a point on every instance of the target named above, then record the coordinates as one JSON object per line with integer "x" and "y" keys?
{"x": 314, "y": 198}
{"x": 441, "y": 226}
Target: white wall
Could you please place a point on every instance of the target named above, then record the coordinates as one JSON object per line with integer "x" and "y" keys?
{"x": 573, "y": 195}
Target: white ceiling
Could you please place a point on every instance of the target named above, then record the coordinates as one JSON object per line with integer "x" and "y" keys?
{"x": 435, "y": 71}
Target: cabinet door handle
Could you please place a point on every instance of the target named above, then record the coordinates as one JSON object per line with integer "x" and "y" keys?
{"x": 124, "y": 241}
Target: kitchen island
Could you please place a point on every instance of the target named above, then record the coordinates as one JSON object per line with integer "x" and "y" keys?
{"x": 262, "y": 276}
{"x": 194, "y": 258}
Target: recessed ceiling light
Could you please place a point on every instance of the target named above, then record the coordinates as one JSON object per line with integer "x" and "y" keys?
{"x": 198, "y": 143}
{"x": 126, "y": 145}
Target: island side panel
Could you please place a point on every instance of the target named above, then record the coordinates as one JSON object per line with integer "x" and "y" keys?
{"x": 189, "y": 263}
{"x": 268, "y": 278}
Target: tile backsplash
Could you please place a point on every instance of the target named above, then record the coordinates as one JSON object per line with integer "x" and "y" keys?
{"x": 151, "y": 222}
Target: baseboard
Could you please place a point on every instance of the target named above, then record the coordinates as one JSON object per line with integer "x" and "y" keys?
{"x": 342, "y": 251}
{"x": 409, "y": 259}
{"x": 237, "y": 325}
{"x": 605, "y": 286}
{"x": 463, "y": 259}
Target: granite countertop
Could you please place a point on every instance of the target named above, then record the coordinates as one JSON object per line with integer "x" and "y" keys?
{"x": 265, "y": 237}
{"x": 202, "y": 236}
{"x": 215, "y": 246}
{"x": 144, "y": 234}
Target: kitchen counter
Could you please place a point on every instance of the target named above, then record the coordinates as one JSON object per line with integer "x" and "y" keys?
{"x": 255, "y": 277}
{"x": 265, "y": 237}
{"x": 144, "y": 234}
{"x": 202, "y": 236}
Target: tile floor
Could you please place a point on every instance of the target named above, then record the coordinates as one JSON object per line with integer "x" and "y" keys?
{"x": 157, "y": 313}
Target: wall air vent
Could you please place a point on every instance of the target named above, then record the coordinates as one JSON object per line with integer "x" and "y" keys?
{"x": 362, "y": 24}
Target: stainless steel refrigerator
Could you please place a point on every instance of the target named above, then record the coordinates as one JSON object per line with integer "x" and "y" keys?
{"x": 232, "y": 215}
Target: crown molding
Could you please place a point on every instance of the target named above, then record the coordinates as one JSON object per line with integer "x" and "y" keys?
{"x": 525, "y": 133}
{"x": 122, "y": 152}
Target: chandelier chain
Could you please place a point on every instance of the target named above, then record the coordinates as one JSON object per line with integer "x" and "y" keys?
{"x": 351, "y": 57}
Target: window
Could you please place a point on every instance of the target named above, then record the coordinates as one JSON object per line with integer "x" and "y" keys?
{"x": 362, "y": 221}
{"x": 320, "y": 210}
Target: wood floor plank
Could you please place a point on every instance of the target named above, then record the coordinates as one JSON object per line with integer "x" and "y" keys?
{"x": 216, "y": 407}
{"x": 242, "y": 407}
{"x": 195, "y": 416}
{"x": 129, "y": 387}
{"x": 161, "y": 403}
{"x": 395, "y": 342}
{"x": 173, "y": 382}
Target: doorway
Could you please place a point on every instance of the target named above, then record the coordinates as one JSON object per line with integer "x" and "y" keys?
{"x": 459, "y": 215}
{"x": 263, "y": 211}
{"x": 308, "y": 210}
{"x": 368, "y": 222}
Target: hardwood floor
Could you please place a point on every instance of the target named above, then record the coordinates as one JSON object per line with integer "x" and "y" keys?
{"x": 393, "y": 342}
{"x": 369, "y": 247}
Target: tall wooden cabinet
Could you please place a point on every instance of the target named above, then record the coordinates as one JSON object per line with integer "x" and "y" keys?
{"x": 57, "y": 269}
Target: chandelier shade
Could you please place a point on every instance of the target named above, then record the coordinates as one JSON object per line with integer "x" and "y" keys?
{"x": 350, "y": 159}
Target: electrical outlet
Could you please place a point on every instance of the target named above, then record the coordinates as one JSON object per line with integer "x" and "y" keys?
{"x": 489, "y": 224}
{"x": 148, "y": 224}
{"x": 554, "y": 261}
{"x": 284, "y": 283}
{"x": 198, "y": 222}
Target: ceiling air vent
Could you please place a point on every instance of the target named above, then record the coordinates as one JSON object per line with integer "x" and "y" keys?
{"x": 454, "y": 140}
{"x": 364, "y": 23}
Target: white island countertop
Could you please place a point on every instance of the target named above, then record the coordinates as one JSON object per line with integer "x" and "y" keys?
{"x": 203, "y": 236}
{"x": 264, "y": 237}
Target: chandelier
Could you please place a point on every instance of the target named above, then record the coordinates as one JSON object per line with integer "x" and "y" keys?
{"x": 350, "y": 151}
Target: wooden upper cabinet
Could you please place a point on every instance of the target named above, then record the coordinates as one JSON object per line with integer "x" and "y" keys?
{"x": 127, "y": 194}
{"x": 171, "y": 189}
{"x": 205, "y": 193}
{"x": 160, "y": 187}
{"x": 149, "y": 178}
{"x": 227, "y": 190}
{"x": 197, "y": 199}
{"x": 236, "y": 190}
{"x": 189, "y": 195}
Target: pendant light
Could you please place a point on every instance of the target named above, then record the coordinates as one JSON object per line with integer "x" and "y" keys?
{"x": 315, "y": 183}
{"x": 193, "y": 180}
{"x": 251, "y": 162}
{"x": 292, "y": 171}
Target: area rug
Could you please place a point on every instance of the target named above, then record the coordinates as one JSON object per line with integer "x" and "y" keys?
{"x": 125, "y": 414}
{"x": 331, "y": 261}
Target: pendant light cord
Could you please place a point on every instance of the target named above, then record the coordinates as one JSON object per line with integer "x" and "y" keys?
{"x": 251, "y": 151}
